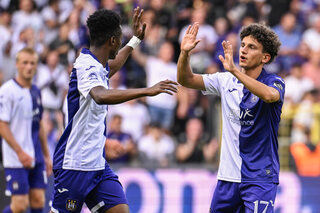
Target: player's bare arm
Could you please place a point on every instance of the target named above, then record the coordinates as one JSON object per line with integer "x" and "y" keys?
{"x": 5, "y": 132}
{"x": 103, "y": 96}
{"x": 45, "y": 149}
{"x": 184, "y": 75}
{"x": 138, "y": 31}
{"x": 266, "y": 93}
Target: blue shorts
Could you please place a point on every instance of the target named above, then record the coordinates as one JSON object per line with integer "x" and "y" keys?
{"x": 97, "y": 189}
{"x": 21, "y": 180}
{"x": 243, "y": 197}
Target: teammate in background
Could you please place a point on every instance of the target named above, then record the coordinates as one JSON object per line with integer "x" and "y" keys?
{"x": 26, "y": 157}
{"x": 82, "y": 175}
{"x": 251, "y": 102}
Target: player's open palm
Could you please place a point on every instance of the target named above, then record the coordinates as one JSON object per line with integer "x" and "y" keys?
{"x": 227, "y": 60}
{"x": 166, "y": 86}
{"x": 138, "y": 27}
{"x": 189, "y": 41}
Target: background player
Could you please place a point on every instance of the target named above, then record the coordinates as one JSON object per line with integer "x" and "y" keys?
{"x": 251, "y": 106}
{"x": 81, "y": 171}
{"x": 24, "y": 148}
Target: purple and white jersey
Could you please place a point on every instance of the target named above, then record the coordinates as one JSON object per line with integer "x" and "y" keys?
{"x": 249, "y": 147}
{"x": 22, "y": 109}
{"x": 81, "y": 147}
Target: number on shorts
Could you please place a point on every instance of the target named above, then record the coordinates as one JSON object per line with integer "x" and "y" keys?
{"x": 256, "y": 204}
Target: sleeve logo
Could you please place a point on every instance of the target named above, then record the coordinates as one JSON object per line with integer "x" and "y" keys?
{"x": 278, "y": 85}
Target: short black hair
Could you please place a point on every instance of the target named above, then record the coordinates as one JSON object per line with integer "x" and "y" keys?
{"x": 103, "y": 24}
{"x": 265, "y": 36}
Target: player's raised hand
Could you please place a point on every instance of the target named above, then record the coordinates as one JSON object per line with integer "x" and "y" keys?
{"x": 189, "y": 41}
{"x": 138, "y": 27}
{"x": 227, "y": 60}
{"x": 166, "y": 86}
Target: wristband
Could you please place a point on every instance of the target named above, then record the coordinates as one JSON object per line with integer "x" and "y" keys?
{"x": 134, "y": 42}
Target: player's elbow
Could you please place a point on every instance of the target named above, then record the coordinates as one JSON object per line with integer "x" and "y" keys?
{"x": 271, "y": 97}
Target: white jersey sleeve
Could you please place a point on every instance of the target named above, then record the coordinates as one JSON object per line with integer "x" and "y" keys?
{"x": 213, "y": 82}
{"x": 89, "y": 78}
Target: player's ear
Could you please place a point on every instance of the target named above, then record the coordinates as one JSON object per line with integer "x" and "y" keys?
{"x": 113, "y": 40}
{"x": 266, "y": 58}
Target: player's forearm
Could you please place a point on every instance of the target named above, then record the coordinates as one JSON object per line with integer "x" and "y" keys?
{"x": 43, "y": 141}
{"x": 117, "y": 96}
{"x": 185, "y": 76}
{"x": 7, "y": 135}
{"x": 266, "y": 93}
{"x": 120, "y": 59}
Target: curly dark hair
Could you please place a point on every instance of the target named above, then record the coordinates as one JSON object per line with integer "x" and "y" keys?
{"x": 265, "y": 36}
{"x": 103, "y": 24}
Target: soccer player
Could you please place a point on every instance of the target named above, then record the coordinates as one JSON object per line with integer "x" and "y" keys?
{"x": 82, "y": 175}
{"x": 25, "y": 152}
{"x": 251, "y": 102}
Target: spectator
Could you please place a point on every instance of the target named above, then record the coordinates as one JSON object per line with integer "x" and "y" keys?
{"x": 27, "y": 15}
{"x": 63, "y": 45}
{"x": 156, "y": 148}
{"x": 192, "y": 146}
{"x": 311, "y": 69}
{"x": 115, "y": 132}
{"x": 311, "y": 36}
{"x": 295, "y": 93}
{"x": 290, "y": 37}
{"x": 306, "y": 156}
{"x": 162, "y": 107}
{"x": 50, "y": 15}
{"x": 5, "y": 35}
{"x": 201, "y": 57}
{"x": 52, "y": 79}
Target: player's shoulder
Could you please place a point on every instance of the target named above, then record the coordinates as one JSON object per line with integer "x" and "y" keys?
{"x": 273, "y": 77}
{"x": 9, "y": 86}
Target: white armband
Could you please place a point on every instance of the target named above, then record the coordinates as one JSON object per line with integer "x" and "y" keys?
{"x": 134, "y": 42}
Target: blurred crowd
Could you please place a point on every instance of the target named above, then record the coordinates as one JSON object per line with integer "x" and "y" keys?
{"x": 169, "y": 130}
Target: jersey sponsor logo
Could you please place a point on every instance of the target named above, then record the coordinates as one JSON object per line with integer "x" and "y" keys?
{"x": 71, "y": 205}
{"x": 242, "y": 117}
{"x": 62, "y": 190}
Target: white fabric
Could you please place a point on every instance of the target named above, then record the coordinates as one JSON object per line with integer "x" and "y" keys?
{"x": 157, "y": 71}
{"x": 221, "y": 84}
{"x": 43, "y": 79}
{"x": 16, "y": 109}
{"x": 85, "y": 145}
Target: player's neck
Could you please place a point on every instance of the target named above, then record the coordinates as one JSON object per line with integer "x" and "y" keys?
{"x": 23, "y": 82}
{"x": 101, "y": 54}
{"x": 253, "y": 73}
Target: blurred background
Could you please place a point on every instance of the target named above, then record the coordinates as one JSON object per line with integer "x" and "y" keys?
{"x": 159, "y": 170}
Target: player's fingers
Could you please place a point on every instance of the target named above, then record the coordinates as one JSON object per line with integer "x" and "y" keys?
{"x": 135, "y": 14}
{"x": 194, "y": 28}
{"x": 170, "y": 82}
{"x": 188, "y": 29}
{"x": 221, "y": 58}
{"x": 140, "y": 15}
{"x": 170, "y": 87}
{"x": 196, "y": 42}
{"x": 144, "y": 25}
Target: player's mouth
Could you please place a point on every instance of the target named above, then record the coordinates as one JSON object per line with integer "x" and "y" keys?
{"x": 242, "y": 58}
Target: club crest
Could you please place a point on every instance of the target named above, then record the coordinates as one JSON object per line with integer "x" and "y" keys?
{"x": 71, "y": 205}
